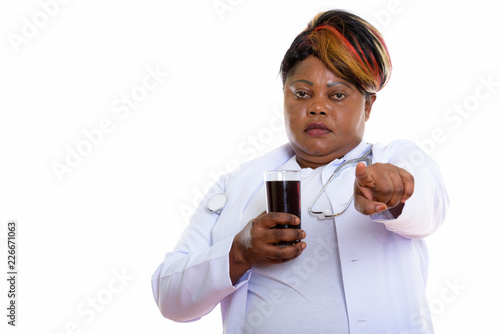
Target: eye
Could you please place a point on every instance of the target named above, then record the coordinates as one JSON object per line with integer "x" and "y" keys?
{"x": 300, "y": 94}
{"x": 338, "y": 96}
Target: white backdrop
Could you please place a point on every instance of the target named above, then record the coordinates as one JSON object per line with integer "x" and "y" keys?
{"x": 115, "y": 116}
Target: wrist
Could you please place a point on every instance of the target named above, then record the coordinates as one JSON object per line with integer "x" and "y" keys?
{"x": 397, "y": 210}
{"x": 237, "y": 254}
{"x": 238, "y": 264}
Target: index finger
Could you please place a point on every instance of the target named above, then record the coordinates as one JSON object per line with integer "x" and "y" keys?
{"x": 272, "y": 219}
{"x": 363, "y": 177}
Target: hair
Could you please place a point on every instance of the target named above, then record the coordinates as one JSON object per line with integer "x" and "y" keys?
{"x": 349, "y": 46}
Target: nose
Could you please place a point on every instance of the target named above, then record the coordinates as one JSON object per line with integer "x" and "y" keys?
{"x": 318, "y": 106}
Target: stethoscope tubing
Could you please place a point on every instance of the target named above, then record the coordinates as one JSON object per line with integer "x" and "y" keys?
{"x": 326, "y": 214}
{"x": 218, "y": 201}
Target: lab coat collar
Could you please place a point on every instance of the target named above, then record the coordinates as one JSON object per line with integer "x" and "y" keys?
{"x": 285, "y": 152}
{"x": 353, "y": 154}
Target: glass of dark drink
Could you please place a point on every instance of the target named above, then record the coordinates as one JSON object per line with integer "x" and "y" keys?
{"x": 283, "y": 194}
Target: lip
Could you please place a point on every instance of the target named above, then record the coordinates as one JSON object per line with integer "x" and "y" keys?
{"x": 317, "y": 129}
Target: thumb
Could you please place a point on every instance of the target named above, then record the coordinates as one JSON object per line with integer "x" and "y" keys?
{"x": 368, "y": 207}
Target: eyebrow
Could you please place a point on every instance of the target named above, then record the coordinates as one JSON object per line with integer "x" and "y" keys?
{"x": 304, "y": 81}
{"x": 330, "y": 84}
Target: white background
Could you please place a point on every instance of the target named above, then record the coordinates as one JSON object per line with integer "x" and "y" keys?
{"x": 124, "y": 205}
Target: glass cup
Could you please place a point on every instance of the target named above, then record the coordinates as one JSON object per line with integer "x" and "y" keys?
{"x": 283, "y": 193}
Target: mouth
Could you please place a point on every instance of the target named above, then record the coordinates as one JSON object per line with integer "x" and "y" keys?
{"x": 317, "y": 129}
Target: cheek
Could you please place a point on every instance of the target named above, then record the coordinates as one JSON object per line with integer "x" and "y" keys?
{"x": 358, "y": 115}
{"x": 290, "y": 125}
{"x": 293, "y": 121}
{"x": 359, "y": 124}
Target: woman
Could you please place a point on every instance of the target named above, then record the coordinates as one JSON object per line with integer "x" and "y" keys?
{"x": 361, "y": 271}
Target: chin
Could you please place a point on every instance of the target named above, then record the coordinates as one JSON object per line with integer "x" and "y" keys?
{"x": 320, "y": 148}
{"x": 316, "y": 151}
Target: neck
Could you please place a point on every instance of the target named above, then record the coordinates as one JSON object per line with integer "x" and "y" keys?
{"x": 303, "y": 163}
{"x": 314, "y": 161}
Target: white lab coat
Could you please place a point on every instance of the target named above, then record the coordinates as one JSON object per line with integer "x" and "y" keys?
{"x": 384, "y": 261}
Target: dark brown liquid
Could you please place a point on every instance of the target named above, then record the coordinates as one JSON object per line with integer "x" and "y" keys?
{"x": 284, "y": 196}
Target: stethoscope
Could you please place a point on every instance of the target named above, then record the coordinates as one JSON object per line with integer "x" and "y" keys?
{"x": 218, "y": 201}
{"x": 328, "y": 213}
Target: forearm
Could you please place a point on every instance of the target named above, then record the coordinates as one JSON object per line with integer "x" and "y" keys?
{"x": 424, "y": 212}
{"x": 188, "y": 286}
{"x": 420, "y": 219}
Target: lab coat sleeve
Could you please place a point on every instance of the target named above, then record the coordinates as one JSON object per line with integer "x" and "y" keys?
{"x": 425, "y": 211}
{"x": 194, "y": 278}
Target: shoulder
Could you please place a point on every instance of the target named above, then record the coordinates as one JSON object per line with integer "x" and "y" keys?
{"x": 251, "y": 172}
{"x": 268, "y": 161}
{"x": 398, "y": 151}
{"x": 403, "y": 153}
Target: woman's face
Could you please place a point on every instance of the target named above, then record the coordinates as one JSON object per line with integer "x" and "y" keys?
{"x": 324, "y": 115}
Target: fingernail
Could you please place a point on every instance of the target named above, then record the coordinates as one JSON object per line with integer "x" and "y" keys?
{"x": 380, "y": 208}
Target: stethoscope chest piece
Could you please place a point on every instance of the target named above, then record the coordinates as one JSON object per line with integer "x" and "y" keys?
{"x": 217, "y": 203}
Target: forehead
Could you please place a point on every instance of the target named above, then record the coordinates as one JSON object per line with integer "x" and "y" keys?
{"x": 312, "y": 69}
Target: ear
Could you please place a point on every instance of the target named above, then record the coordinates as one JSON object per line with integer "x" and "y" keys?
{"x": 369, "y": 100}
